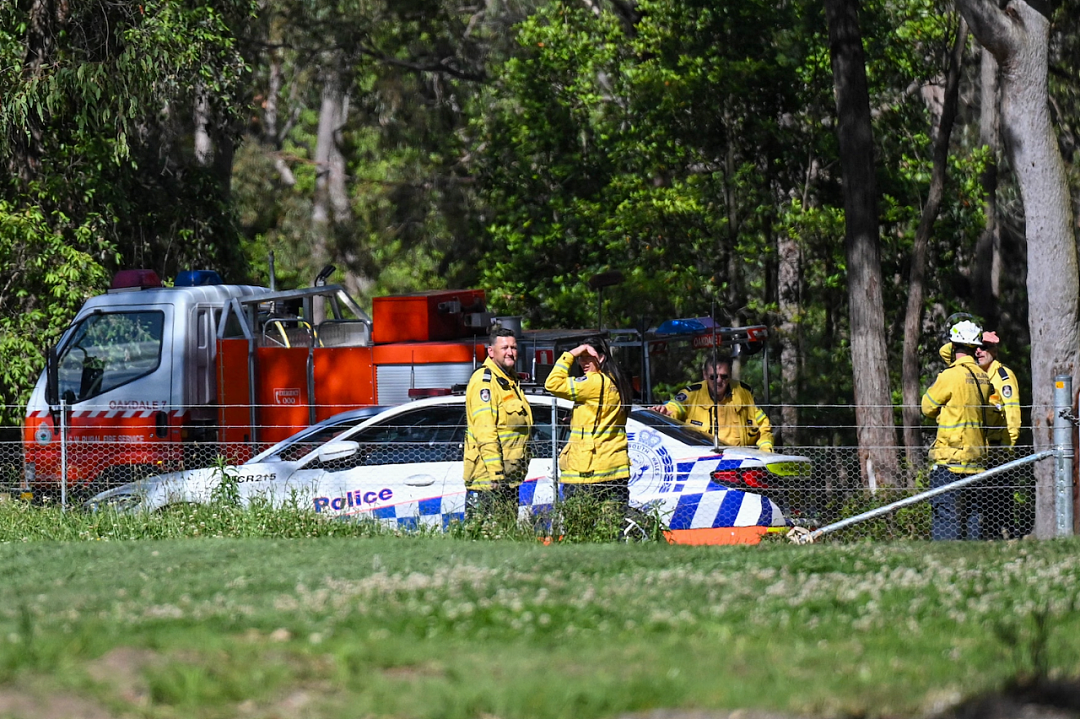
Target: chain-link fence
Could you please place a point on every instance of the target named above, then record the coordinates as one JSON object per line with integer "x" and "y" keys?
{"x": 822, "y": 499}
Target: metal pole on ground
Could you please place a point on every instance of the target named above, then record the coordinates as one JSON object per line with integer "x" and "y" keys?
{"x": 554, "y": 451}
{"x": 805, "y": 537}
{"x": 555, "y": 523}
{"x": 1063, "y": 461}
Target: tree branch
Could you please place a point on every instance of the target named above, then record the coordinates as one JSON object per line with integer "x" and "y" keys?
{"x": 990, "y": 24}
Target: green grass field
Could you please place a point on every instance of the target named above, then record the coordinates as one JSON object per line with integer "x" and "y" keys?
{"x": 350, "y": 626}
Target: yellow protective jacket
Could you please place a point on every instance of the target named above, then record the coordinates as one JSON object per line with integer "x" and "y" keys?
{"x": 500, "y": 420}
{"x": 737, "y": 418}
{"x": 964, "y": 404}
{"x": 999, "y": 433}
{"x": 596, "y": 451}
{"x": 1008, "y": 391}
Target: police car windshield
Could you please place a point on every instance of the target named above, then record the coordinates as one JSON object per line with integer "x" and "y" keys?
{"x": 300, "y": 444}
{"x": 671, "y": 427}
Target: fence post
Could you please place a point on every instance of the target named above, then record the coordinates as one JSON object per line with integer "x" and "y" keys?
{"x": 554, "y": 451}
{"x": 1063, "y": 455}
{"x": 63, "y": 455}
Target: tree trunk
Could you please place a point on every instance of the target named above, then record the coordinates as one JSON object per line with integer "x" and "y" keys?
{"x": 873, "y": 403}
{"x": 1018, "y": 36}
{"x": 788, "y": 280}
{"x": 735, "y": 297}
{"x": 48, "y": 21}
{"x": 204, "y": 146}
{"x": 330, "y": 195}
{"x": 913, "y": 318}
{"x": 330, "y": 206}
{"x": 272, "y": 138}
{"x": 986, "y": 273}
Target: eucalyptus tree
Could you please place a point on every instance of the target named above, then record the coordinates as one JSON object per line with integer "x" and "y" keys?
{"x": 652, "y": 145}
{"x": 913, "y": 316}
{"x": 873, "y": 401}
{"x": 1017, "y": 34}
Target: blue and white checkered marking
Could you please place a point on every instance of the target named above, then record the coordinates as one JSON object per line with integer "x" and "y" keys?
{"x": 434, "y": 512}
{"x": 690, "y": 501}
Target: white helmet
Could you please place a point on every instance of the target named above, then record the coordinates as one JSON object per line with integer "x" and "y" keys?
{"x": 966, "y": 333}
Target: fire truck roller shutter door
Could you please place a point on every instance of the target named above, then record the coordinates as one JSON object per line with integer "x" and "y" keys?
{"x": 395, "y": 381}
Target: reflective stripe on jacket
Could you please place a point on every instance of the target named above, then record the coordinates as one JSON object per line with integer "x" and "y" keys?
{"x": 500, "y": 420}
{"x": 596, "y": 451}
{"x": 739, "y": 421}
{"x": 962, "y": 400}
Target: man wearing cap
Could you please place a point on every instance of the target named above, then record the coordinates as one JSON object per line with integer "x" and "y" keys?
{"x": 961, "y": 400}
{"x": 1004, "y": 381}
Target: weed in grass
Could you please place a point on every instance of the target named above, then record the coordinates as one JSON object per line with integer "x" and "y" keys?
{"x": 578, "y": 519}
{"x": 227, "y": 491}
{"x": 208, "y": 683}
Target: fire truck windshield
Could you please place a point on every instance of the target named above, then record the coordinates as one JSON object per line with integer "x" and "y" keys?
{"x": 106, "y": 350}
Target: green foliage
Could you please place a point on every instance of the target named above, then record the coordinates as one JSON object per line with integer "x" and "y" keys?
{"x": 93, "y": 128}
{"x": 48, "y": 264}
{"x": 908, "y": 522}
{"x": 408, "y": 223}
{"x": 604, "y": 150}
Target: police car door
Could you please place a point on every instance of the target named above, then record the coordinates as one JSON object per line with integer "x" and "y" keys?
{"x": 402, "y": 471}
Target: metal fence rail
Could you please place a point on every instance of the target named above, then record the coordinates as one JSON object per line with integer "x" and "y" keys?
{"x": 834, "y": 501}
{"x": 1002, "y": 515}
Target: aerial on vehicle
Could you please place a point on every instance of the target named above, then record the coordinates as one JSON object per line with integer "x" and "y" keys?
{"x": 403, "y": 467}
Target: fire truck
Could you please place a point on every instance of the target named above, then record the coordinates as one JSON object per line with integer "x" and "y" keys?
{"x": 149, "y": 379}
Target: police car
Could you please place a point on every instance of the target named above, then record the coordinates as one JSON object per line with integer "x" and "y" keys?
{"x": 403, "y": 467}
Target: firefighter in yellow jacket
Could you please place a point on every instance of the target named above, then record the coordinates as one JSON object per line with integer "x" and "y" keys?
{"x": 499, "y": 422}
{"x": 1000, "y": 497}
{"x": 963, "y": 402}
{"x": 721, "y": 408}
{"x": 595, "y": 460}
{"x": 1005, "y": 385}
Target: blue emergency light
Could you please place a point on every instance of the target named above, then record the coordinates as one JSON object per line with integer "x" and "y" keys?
{"x": 197, "y": 278}
{"x": 685, "y": 326}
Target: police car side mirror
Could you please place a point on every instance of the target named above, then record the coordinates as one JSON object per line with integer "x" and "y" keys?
{"x": 337, "y": 451}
